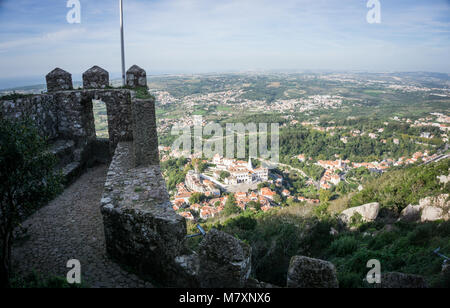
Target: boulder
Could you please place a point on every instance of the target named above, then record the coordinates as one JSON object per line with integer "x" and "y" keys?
{"x": 435, "y": 208}
{"x": 394, "y": 280}
{"x": 411, "y": 213}
{"x": 431, "y": 213}
{"x": 428, "y": 209}
{"x": 369, "y": 212}
{"x": 444, "y": 179}
{"x": 224, "y": 261}
{"x": 307, "y": 272}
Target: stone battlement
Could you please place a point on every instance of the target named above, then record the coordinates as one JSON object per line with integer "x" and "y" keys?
{"x": 67, "y": 114}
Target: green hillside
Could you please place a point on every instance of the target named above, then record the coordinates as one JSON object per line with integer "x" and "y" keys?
{"x": 277, "y": 235}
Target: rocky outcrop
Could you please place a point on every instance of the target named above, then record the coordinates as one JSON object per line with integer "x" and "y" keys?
{"x": 435, "y": 208}
{"x": 396, "y": 280}
{"x": 369, "y": 212}
{"x": 428, "y": 209}
{"x": 225, "y": 262}
{"x": 306, "y": 272}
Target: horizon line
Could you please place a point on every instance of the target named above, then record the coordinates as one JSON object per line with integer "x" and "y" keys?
{"x": 231, "y": 71}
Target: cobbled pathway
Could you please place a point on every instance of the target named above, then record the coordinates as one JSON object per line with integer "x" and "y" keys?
{"x": 71, "y": 227}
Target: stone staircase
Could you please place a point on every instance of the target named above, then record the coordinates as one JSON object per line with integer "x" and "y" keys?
{"x": 67, "y": 159}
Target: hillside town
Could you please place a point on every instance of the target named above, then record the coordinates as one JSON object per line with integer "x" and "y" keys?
{"x": 258, "y": 186}
{"x": 223, "y": 176}
{"x": 216, "y": 183}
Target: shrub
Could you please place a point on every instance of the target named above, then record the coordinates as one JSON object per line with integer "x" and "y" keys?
{"x": 35, "y": 280}
{"x": 27, "y": 180}
{"x": 344, "y": 246}
{"x": 244, "y": 222}
{"x": 421, "y": 235}
{"x": 356, "y": 221}
{"x": 398, "y": 188}
{"x": 349, "y": 280}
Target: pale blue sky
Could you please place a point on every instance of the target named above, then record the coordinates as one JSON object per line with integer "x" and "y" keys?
{"x": 189, "y": 36}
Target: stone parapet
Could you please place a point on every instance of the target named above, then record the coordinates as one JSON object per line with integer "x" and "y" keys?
{"x": 144, "y": 132}
{"x": 142, "y": 230}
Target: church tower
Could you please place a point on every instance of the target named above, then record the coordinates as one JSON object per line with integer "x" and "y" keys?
{"x": 249, "y": 165}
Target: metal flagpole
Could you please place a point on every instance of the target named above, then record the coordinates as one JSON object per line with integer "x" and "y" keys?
{"x": 121, "y": 40}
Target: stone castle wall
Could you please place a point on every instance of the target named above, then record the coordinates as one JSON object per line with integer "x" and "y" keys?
{"x": 65, "y": 116}
{"x": 69, "y": 115}
{"x": 41, "y": 109}
{"x": 142, "y": 231}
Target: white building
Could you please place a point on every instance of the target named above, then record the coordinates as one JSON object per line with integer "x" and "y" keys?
{"x": 246, "y": 174}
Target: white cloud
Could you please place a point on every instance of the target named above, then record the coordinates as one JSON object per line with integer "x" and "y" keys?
{"x": 46, "y": 38}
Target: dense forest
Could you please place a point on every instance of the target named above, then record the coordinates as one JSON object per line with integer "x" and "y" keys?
{"x": 320, "y": 145}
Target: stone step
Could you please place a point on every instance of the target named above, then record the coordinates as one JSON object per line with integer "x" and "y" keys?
{"x": 71, "y": 171}
{"x": 63, "y": 150}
